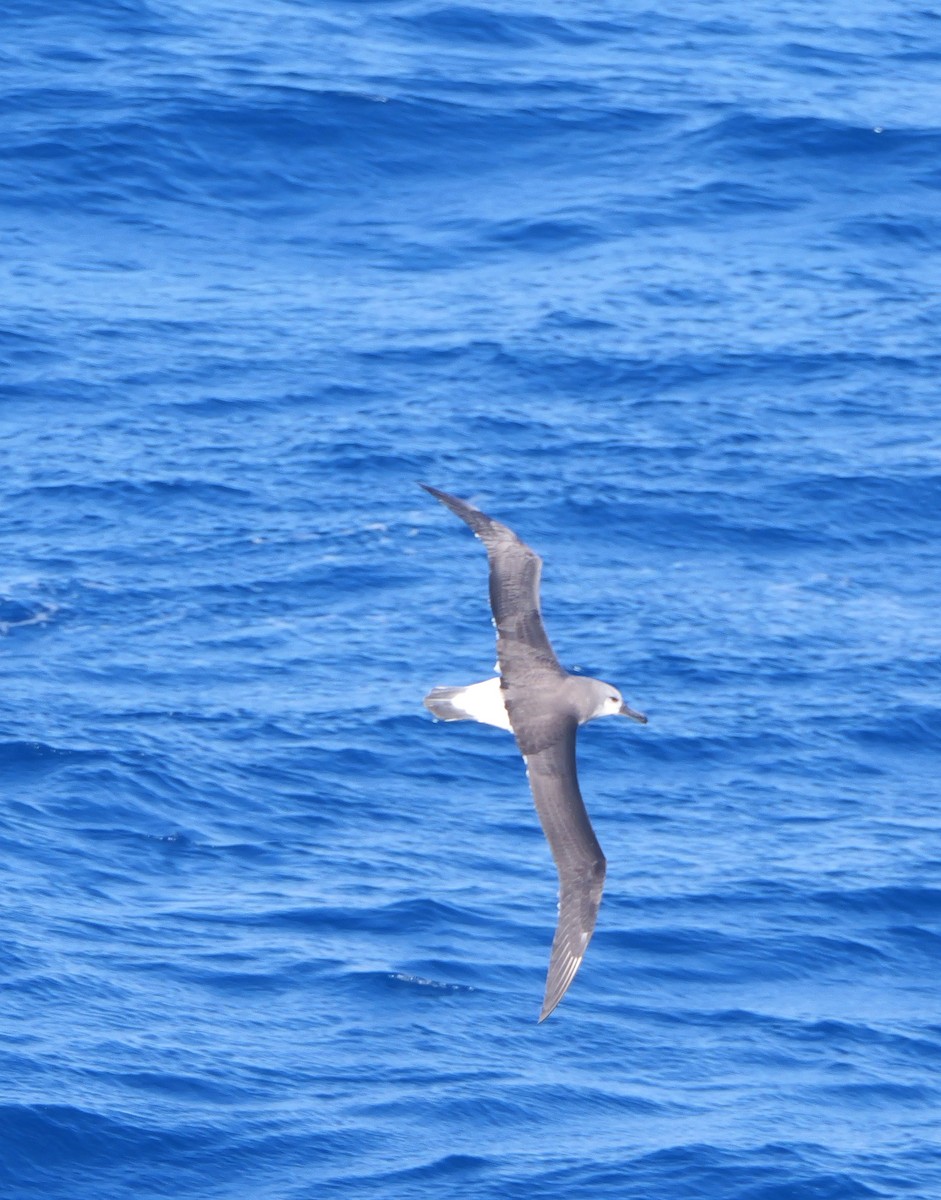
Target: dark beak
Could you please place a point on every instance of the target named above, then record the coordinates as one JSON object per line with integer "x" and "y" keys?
{"x": 633, "y": 714}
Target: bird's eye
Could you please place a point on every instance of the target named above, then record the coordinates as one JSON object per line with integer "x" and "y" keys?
{"x": 614, "y": 698}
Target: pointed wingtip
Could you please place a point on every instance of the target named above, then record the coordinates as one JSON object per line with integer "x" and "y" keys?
{"x": 479, "y": 522}
{"x": 557, "y": 985}
{"x": 547, "y": 1011}
{"x": 445, "y": 497}
{"x": 549, "y": 1006}
{"x": 551, "y": 1003}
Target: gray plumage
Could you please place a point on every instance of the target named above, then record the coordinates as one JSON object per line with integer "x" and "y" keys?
{"x": 544, "y": 705}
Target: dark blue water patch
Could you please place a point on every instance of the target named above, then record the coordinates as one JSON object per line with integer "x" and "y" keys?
{"x": 131, "y": 162}
{"x": 920, "y": 492}
{"x": 40, "y": 1134}
{"x": 825, "y": 60}
{"x": 366, "y": 458}
{"x": 779, "y": 1171}
{"x": 138, "y": 16}
{"x": 719, "y": 200}
{"x": 282, "y": 147}
{"x": 27, "y": 350}
{"x": 64, "y": 391}
{"x": 477, "y": 25}
{"x": 759, "y": 138}
{"x": 123, "y": 789}
{"x": 877, "y": 508}
{"x": 826, "y": 1186}
{"x": 541, "y": 237}
{"x": 912, "y": 903}
{"x": 750, "y": 527}
{"x": 924, "y": 234}
{"x": 31, "y": 759}
{"x": 60, "y": 1150}
{"x": 152, "y": 494}
{"x": 696, "y": 955}
{"x": 252, "y": 986}
{"x": 915, "y": 942}
{"x": 881, "y": 1095}
{"x": 843, "y": 1037}
{"x": 904, "y": 729}
{"x": 418, "y": 915}
{"x": 632, "y": 380}
{"x": 458, "y": 1170}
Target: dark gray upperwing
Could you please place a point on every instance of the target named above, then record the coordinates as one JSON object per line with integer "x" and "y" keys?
{"x": 578, "y": 857}
{"x": 522, "y": 645}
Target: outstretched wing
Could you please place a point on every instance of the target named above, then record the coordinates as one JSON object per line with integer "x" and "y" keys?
{"x": 578, "y": 857}
{"x": 546, "y": 737}
{"x": 522, "y": 645}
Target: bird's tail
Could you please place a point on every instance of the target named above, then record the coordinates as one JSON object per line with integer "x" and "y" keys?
{"x": 477, "y": 702}
{"x": 440, "y": 702}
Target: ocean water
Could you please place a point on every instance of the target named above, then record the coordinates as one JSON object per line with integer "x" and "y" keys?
{"x": 657, "y": 286}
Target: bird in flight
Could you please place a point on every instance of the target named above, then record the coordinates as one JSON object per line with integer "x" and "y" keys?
{"x": 542, "y": 705}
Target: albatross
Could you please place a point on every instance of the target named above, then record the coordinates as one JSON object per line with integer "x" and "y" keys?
{"x": 542, "y": 705}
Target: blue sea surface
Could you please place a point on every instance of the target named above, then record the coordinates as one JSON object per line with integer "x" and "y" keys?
{"x": 659, "y": 288}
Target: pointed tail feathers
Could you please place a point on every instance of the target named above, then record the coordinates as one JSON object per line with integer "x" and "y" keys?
{"x": 440, "y": 702}
{"x": 476, "y": 702}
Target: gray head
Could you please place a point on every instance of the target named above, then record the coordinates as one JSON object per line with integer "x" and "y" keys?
{"x": 594, "y": 698}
